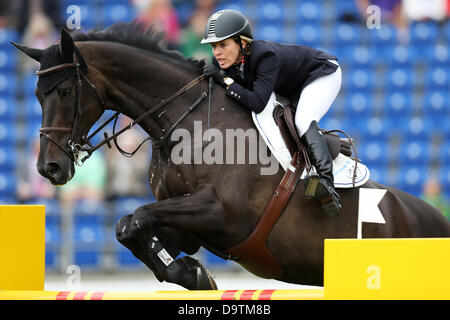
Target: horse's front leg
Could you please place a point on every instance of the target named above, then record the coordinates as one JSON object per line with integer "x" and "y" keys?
{"x": 153, "y": 232}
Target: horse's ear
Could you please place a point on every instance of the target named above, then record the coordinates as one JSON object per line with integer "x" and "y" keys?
{"x": 32, "y": 53}
{"x": 67, "y": 46}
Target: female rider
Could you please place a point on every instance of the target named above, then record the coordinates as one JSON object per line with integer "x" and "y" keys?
{"x": 253, "y": 71}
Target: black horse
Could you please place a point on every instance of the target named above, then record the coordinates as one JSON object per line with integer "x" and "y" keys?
{"x": 214, "y": 205}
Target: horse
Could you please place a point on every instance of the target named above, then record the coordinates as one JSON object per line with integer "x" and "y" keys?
{"x": 126, "y": 69}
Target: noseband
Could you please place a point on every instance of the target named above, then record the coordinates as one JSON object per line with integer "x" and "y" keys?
{"x": 79, "y": 152}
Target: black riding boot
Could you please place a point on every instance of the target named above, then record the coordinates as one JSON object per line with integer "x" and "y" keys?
{"x": 321, "y": 186}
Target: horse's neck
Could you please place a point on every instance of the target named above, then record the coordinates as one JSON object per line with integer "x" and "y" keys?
{"x": 137, "y": 81}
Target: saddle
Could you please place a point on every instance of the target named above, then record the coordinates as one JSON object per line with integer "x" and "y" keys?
{"x": 253, "y": 253}
{"x": 284, "y": 117}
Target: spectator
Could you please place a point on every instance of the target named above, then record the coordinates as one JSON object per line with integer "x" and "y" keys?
{"x": 392, "y": 12}
{"x": 190, "y": 44}
{"x": 163, "y": 16}
{"x": 38, "y": 26}
{"x": 128, "y": 177}
{"x": 31, "y": 185}
{"x": 432, "y": 194}
{"x": 419, "y": 10}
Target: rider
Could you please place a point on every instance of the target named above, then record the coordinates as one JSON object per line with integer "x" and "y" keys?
{"x": 251, "y": 70}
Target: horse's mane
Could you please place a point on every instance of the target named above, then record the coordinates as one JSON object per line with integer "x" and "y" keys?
{"x": 138, "y": 35}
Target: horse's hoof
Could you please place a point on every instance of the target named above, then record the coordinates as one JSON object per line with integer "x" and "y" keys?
{"x": 203, "y": 278}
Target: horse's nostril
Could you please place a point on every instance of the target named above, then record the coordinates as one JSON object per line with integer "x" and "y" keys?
{"x": 52, "y": 168}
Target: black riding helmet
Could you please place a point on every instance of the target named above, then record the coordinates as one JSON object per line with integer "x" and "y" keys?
{"x": 225, "y": 24}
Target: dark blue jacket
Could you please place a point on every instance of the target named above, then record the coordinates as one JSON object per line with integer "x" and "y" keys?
{"x": 280, "y": 68}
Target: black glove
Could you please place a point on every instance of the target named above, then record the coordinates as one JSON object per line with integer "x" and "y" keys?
{"x": 216, "y": 73}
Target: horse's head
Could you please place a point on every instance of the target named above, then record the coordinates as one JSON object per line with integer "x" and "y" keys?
{"x": 69, "y": 108}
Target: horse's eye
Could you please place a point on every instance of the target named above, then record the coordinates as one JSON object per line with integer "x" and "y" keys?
{"x": 65, "y": 92}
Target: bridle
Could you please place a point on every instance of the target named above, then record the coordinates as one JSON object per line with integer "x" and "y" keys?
{"x": 80, "y": 152}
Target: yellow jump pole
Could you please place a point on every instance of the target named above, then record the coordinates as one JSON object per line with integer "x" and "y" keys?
{"x": 22, "y": 243}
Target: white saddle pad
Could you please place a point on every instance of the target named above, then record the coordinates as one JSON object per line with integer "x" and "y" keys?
{"x": 343, "y": 166}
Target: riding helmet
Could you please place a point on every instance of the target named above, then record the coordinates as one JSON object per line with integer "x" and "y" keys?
{"x": 225, "y": 24}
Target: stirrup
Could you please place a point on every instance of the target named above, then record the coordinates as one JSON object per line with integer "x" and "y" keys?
{"x": 316, "y": 189}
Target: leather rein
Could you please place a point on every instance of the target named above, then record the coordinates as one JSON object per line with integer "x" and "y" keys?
{"x": 80, "y": 152}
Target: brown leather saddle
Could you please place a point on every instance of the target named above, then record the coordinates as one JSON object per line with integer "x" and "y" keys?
{"x": 285, "y": 120}
{"x": 253, "y": 253}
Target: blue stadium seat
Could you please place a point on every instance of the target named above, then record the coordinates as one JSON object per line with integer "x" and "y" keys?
{"x": 87, "y": 258}
{"x": 358, "y": 56}
{"x": 400, "y": 55}
{"x": 310, "y": 11}
{"x": 342, "y": 7}
{"x": 346, "y": 34}
{"x": 362, "y": 79}
{"x": 373, "y": 153}
{"x": 379, "y": 173}
{"x": 126, "y": 259}
{"x": 33, "y": 109}
{"x": 271, "y": 12}
{"x": 398, "y": 103}
{"x": 88, "y": 234}
{"x": 53, "y": 237}
{"x": 330, "y": 123}
{"x": 359, "y": 103}
{"x": 7, "y": 132}
{"x": 386, "y": 36}
{"x": 29, "y": 85}
{"x": 126, "y": 206}
{"x": 52, "y": 209}
{"x": 8, "y": 60}
{"x": 90, "y": 207}
{"x": 309, "y": 35}
{"x": 437, "y": 103}
{"x": 118, "y": 13}
{"x": 415, "y": 152}
{"x": 424, "y": 32}
{"x": 31, "y": 131}
{"x": 7, "y": 35}
{"x": 438, "y": 77}
{"x": 238, "y": 5}
{"x": 446, "y": 28}
{"x": 289, "y": 34}
{"x": 412, "y": 179}
{"x": 291, "y": 13}
{"x": 415, "y": 127}
{"x": 7, "y": 108}
{"x": 269, "y": 32}
{"x": 375, "y": 128}
{"x": 8, "y": 158}
{"x": 436, "y": 54}
{"x": 51, "y": 259}
{"x": 400, "y": 79}
{"x": 8, "y": 83}
{"x": 7, "y": 184}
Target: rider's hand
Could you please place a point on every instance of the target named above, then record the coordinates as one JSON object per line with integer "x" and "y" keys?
{"x": 216, "y": 73}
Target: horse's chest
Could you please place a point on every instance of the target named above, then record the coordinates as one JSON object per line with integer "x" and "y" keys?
{"x": 168, "y": 180}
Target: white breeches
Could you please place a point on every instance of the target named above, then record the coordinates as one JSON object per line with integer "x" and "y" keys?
{"x": 316, "y": 99}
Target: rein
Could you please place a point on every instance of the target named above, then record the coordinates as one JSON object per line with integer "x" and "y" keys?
{"x": 78, "y": 151}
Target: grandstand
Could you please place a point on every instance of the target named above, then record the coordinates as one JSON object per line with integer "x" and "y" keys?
{"x": 394, "y": 101}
